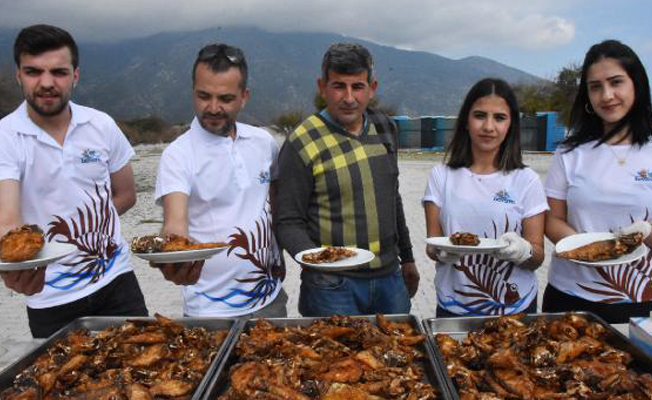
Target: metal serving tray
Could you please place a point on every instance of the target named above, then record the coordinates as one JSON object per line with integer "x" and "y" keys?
{"x": 458, "y": 328}
{"x": 220, "y": 380}
{"x": 95, "y": 324}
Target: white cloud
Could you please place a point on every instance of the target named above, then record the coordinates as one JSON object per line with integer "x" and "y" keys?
{"x": 430, "y": 25}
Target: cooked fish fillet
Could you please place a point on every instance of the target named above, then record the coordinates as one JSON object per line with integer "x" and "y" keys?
{"x": 605, "y": 249}
{"x": 21, "y": 244}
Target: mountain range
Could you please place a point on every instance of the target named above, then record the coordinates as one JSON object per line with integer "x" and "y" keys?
{"x": 150, "y": 76}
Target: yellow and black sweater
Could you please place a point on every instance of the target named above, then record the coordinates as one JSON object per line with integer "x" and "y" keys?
{"x": 342, "y": 190}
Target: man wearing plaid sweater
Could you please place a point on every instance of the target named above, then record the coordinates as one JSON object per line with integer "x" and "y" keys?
{"x": 338, "y": 186}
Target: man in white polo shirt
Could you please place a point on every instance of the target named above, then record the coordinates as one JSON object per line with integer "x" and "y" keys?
{"x": 215, "y": 184}
{"x": 66, "y": 168}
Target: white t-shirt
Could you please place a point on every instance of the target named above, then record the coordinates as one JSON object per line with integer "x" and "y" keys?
{"x": 66, "y": 190}
{"x": 227, "y": 182}
{"x": 602, "y": 196}
{"x": 488, "y": 206}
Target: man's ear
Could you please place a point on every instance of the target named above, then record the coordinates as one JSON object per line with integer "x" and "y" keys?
{"x": 321, "y": 85}
{"x": 374, "y": 87}
{"x": 75, "y": 77}
{"x": 245, "y": 98}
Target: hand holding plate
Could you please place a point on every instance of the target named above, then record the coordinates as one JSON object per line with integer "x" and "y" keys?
{"x": 518, "y": 250}
{"x": 638, "y": 226}
{"x": 182, "y": 273}
{"x": 27, "y": 282}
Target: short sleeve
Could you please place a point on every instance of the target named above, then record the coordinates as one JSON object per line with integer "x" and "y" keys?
{"x": 557, "y": 182}
{"x": 435, "y": 186}
{"x": 273, "y": 170}
{"x": 121, "y": 150}
{"x": 534, "y": 197}
{"x": 174, "y": 172}
{"x": 9, "y": 157}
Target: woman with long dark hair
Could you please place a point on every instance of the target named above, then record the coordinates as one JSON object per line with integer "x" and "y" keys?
{"x": 600, "y": 180}
{"x": 484, "y": 188}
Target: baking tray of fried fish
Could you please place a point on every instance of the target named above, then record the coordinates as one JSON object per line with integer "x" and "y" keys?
{"x": 544, "y": 356}
{"x": 329, "y": 358}
{"x": 122, "y": 358}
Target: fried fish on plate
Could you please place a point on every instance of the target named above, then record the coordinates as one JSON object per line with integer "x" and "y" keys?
{"x": 168, "y": 243}
{"x": 464, "y": 239}
{"x": 21, "y": 244}
{"x": 605, "y": 249}
{"x": 328, "y": 255}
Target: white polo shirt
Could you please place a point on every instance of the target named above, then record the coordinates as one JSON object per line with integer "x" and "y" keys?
{"x": 227, "y": 182}
{"x": 488, "y": 206}
{"x": 66, "y": 190}
{"x": 602, "y": 196}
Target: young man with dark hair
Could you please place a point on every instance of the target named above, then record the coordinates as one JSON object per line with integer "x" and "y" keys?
{"x": 215, "y": 183}
{"x": 65, "y": 168}
{"x": 338, "y": 186}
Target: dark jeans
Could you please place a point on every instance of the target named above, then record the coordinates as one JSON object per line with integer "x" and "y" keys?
{"x": 323, "y": 295}
{"x": 557, "y": 301}
{"x": 121, "y": 297}
{"x": 441, "y": 313}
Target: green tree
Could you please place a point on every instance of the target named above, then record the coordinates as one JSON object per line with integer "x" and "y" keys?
{"x": 286, "y": 122}
{"x": 557, "y": 95}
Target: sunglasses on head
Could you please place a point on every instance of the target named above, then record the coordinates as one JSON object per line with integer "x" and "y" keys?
{"x": 232, "y": 54}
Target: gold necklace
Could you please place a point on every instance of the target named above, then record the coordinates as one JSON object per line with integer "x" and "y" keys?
{"x": 620, "y": 160}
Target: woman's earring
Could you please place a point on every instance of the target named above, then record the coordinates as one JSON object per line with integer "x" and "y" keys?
{"x": 587, "y": 109}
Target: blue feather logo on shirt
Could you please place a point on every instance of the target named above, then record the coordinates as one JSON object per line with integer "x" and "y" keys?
{"x": 264, "y": 177}
{"x": 643, "y": 176}
{"x": 503, "y": 197}
{"x": 90, "y": 156}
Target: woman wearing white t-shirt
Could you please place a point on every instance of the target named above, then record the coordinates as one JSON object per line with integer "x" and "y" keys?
{"x": 600, "y": 180}
{"x": 484, "y": 188}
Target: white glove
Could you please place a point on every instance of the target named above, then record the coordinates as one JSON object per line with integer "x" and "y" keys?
{"x": 517, "y": 251}
{"x": 638, "y": 226}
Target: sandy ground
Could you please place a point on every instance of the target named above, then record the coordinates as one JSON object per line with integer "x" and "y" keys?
{"x": 163, "y": 297}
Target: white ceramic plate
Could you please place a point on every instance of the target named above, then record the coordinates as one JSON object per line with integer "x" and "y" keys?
{"x": 581, "y": 239}
{"x": 51, "y": 252}
{"x": 180, "y": 256}
{"x": 486, "y": 245}
{"x": 362, "y": 257}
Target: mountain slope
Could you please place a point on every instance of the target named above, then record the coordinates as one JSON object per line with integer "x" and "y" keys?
{"x": 151, "y": 75}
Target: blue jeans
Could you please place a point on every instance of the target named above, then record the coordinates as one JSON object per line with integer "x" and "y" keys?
{"x": 323, "y": 295}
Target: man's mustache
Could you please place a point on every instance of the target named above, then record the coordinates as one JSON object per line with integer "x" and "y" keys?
{"x": 217, "y": 115}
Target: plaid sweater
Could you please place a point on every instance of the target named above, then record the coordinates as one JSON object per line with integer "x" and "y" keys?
{"x": 342, "y": 190}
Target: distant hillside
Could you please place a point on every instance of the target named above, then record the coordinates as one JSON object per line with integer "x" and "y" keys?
{"x": 151, "y": 76}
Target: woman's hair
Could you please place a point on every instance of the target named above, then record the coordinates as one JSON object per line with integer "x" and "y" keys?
{"x": 509, "y": 157}
{"x": 586, "y": 125}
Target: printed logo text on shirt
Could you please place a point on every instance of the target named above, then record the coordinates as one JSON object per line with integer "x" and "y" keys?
{"x": 90, "y": 156}
{"x": 503, "y": 197}
{"x": 643, "y": 176}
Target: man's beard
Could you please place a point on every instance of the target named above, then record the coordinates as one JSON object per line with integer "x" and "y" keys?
{"x": 47, "y": 112}
{"x": 223, "y": 130}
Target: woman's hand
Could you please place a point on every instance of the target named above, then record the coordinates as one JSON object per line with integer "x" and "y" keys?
{"x": 643, "y": 227}
{"x": 518, "y": 250}
{"x": 442, "y": 256}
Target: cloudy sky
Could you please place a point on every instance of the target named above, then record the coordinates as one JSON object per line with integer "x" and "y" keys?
{"x": 538, "y": 36}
